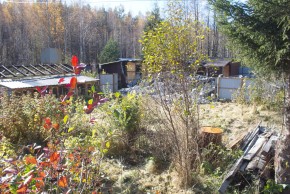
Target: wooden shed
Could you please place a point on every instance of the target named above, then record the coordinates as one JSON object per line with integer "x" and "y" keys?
{"x": 128, "y": 69}
{"x": 221, "y": 66}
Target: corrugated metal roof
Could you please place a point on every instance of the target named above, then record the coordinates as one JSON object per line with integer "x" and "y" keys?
{"x": 122, "y": 60}
{"x": 129, "y": 59}
{"x": 217, "y": 63}
{"x": 44, "y": 81}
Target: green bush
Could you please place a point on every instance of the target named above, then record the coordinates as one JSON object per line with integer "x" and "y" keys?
{"x": 216, "y": 159}
{"x": 123, "y": 112}
{"x": 23, "y": 117}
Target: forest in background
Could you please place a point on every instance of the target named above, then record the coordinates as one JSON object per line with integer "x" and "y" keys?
{"x": 79, "y": 29}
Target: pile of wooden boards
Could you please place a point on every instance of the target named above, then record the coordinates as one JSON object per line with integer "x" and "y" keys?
{"x": 258, "y": 150}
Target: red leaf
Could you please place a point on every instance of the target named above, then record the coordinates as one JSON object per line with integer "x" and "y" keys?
{"x": 47, "y": 120}
{"x": 47, "y": 124}
{"x": 77, "y": 71}
{"x": 62, "y": 182}
{"x": 38, "y": 178}
{"x": 38, "y": 89}
{"x": 54, "y": 157}
{"x": 44, "y": 164}
{"x": 39, "y": 184}
{"x": 55, "y": 126}
{"x": 73, "y": 82}
{"x": 67, "y": 96}
{"x": 88, "y": 111}
{"x": 41, "y": 174}
{"x": 90, "y": 106}
{"x": 41, "y": 90}
{"x": 22, "y": 189}
{"x": 61, "y": 80}
{"x": 74, "y": 61}
{"x": 30, "y": 160}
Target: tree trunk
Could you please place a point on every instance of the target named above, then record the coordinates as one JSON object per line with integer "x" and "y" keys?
{"x": 282, "y": 158}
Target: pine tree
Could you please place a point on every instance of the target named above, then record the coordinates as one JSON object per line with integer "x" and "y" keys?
{"x": 154, "y": 19}
{"x": 111, "y": 52}
{"x": 260, "y": 31}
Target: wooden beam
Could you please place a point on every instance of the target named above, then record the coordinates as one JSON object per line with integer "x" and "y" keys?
{"x": 46, "y": 69}
{"x": 8, "y": 70}
{"x": 50, "y": 66}
{"x": 64, "y": 68}
{"x": 69, "y": 69}
{"x": 18, "y": 70}
{"x": 37, "y": 69}
{"x": 3, "y": 74}
{"x": 28, "y": 70}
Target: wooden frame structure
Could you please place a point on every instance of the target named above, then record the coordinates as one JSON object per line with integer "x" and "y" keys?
{"x": 18, "y": 71}
{"x": 25, "y": 78}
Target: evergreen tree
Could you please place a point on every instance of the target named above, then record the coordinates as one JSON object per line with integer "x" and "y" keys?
{"x": 260, "y": 31}
{"x": 111, "y": 52}
{"x": 153, "y": 19}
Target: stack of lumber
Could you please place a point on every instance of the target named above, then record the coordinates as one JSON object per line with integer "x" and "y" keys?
{"x": 258, "y": 149}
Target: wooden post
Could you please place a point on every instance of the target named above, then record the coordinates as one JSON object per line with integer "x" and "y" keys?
{"x": 86, "y": 89}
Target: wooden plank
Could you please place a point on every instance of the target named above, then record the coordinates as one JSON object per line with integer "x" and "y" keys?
{"x": 262, "y": 162}
{"x": 62, "y": 68}
{"x": 6, "y": 69}
{"x": 252, "y": 164}
{"x": 45, "y": 69}
{"x": 17, "y": 69}
{"x": 37, "y": 69}
{"x": 270, "y": 144}
{"x": 248, "y": 138}
{"x": 244, "y": 166}
{"x": 224, "y": 186}
{"x": 256, "y": 147}
{"x": 50, "y": 66}
{"x": 28, "y": 70}
{"x": 3, "y": 74}
{"x": 70, "y": 70}
{"x": 235, "y": 143}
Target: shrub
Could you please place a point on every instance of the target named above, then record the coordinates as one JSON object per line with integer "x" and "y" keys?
{"x": 23, "y": 116}
{"x": 124, "y": 115}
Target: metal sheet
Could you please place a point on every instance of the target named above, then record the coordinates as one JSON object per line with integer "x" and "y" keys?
{"x": 44, "y": 81}
{"x": 231, "y": 83}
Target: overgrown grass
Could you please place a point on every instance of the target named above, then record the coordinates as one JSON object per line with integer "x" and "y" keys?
{"x": 123, "y": 145}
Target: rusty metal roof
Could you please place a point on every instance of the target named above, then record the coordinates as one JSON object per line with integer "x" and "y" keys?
{"x": 44, "y": 81}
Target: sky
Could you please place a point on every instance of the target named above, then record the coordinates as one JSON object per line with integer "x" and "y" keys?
{"x": 134, "y": 6}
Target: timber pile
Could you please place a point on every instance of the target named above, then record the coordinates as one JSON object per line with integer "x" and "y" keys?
{"x": 258, "y": 147}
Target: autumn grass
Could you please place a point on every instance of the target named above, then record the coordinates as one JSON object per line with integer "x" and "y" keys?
{"x": 142, "y": 163}
{"x": 235, "y": 120}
